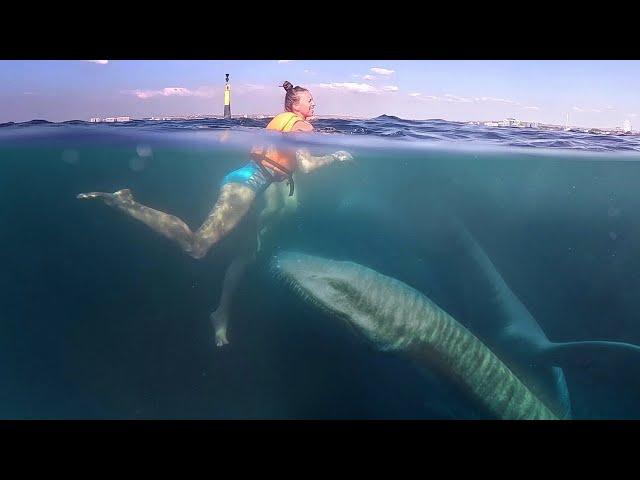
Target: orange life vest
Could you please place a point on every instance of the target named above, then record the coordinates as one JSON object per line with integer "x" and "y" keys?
{"x": 272, "y": 158}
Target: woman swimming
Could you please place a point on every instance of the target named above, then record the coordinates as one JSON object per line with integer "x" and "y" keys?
{"x": 238, "y": 191}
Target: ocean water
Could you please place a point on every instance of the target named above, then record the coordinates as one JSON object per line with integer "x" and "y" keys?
{"x": 102, "y": 318}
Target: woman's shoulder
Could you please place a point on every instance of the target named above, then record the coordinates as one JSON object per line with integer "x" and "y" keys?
{"x": 289, "y": 122}
{"x": 302, "y": 126}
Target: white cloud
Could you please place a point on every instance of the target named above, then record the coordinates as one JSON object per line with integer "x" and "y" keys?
{"x": 450, "y": 98}
{"x": 207, "y": 92}
{"x": 456, "y": 99}
{"x": 166, "y": 92}
{"x": 350, "y": 87}
{"x": 99, "y": 62}
{"x": 430, "y": 98}
{"x": 382, "y": 71}
{"x": 368, "y": 77}
{"x": 587, "y": 110}
{"x": 179, "y": 91}
{"x": 506, "y": 101}
{"x": 633, "y": 114}
{"x": 284, "y": 61}
{"x": 493, "y": 99}
{"x": 253, "y": 86}
{"x": 357, "y": 87}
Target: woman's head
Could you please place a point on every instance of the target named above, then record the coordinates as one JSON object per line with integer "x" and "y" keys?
{"x": 298, "y": 100}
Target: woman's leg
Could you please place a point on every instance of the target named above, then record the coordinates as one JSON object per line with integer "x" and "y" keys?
{"x": 278, "y": 205}
{"x": 220, "y": 316}
{"x": 234, "y": 201}
{"x": 245, "y": 250}
{"x": 273, "y": 203}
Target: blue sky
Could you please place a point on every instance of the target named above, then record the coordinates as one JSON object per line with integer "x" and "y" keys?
{"x": 593, "y": 93}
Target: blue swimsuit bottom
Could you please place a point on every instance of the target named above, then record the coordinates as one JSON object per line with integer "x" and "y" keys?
{"x": 250, "y": 175}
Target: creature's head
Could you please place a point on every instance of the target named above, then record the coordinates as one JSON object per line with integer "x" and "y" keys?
{"x": 345, "y": 290}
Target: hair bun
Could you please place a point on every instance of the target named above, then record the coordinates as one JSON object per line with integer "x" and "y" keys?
{"x": 287, "y": 86}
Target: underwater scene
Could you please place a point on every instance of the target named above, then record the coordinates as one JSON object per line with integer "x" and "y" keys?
{"x": 437, "y": 270}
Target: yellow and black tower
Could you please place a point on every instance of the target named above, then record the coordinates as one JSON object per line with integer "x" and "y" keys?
{"x": 227, "y": 99}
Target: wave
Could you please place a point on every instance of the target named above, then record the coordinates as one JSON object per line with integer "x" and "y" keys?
{"x": 384, "y": 126}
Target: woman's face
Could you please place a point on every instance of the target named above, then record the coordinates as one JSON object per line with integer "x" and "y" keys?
{"x": 305, "y": 105}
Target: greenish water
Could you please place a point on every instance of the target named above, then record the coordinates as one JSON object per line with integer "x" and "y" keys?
{"x": 100, "y": 317}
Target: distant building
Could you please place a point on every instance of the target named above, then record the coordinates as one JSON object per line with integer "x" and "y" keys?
{"x": 95, "y": 120}
{"x": 117, "y": 119}
{"x": 626, "y": 127}
{"x": 509, "y": 122}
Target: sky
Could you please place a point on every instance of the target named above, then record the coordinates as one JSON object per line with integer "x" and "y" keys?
{"x": 592, "y": 93}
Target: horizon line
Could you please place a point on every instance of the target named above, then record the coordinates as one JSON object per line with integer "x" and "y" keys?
{"x": 337, "y": 116}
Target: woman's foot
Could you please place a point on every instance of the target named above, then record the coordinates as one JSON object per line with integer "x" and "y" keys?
{"x": 221, "y": 338}
{"x": 117, "y": 198}
{"x": 219, "y": 320}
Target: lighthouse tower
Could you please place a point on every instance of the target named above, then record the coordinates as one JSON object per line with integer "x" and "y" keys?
{"x": 227, "y": 99}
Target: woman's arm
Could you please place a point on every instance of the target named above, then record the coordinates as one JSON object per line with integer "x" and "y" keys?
{"x": 302, "y": 126}
{"x": 308, "y": 163}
